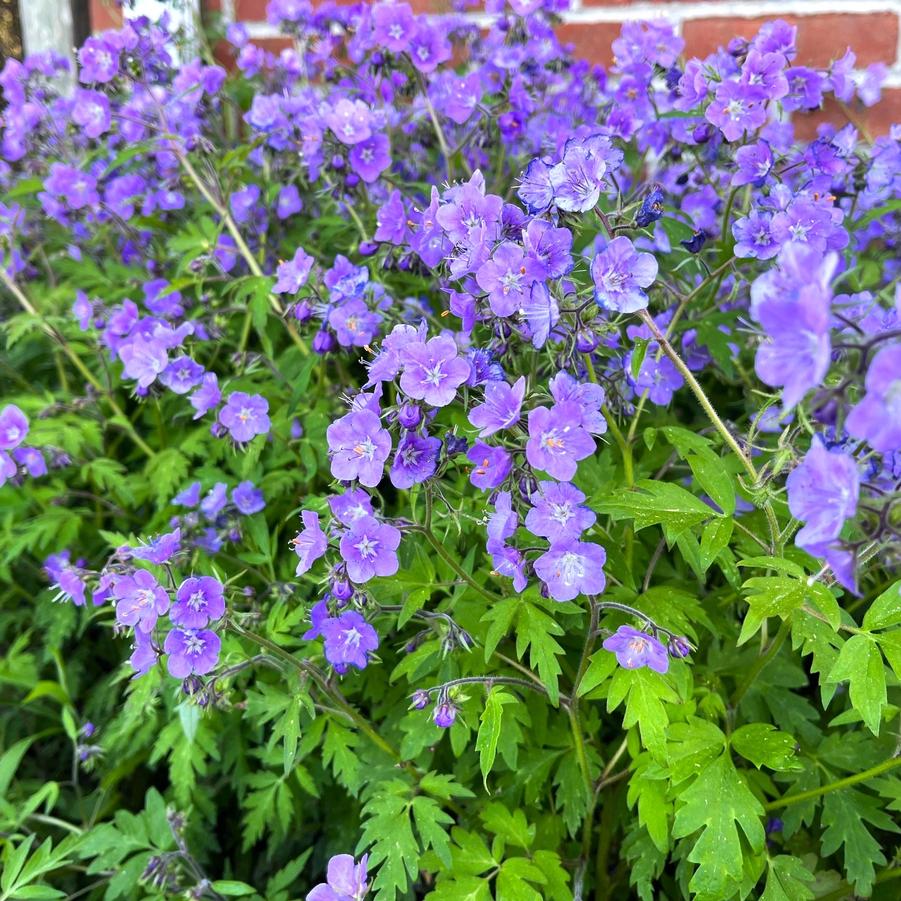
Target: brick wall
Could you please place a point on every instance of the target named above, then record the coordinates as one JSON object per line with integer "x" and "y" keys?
{"x": 825, "y": 29}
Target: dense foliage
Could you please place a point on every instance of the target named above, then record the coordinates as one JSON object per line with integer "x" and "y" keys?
{"x": 436, "y": 467}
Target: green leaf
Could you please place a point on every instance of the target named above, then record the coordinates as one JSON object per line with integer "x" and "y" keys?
{"x": 510, "y": 825}
{"x": 601, "y": 666}
{"x": 764, "y": 745}
{"x": 860, "y": 664}
{"x": 490, "y": 729}
{"x": 714, "y": 539}
{"x": 652, "y": 503}
{"x": 770, "y": 596}
{"x": 844, "y": 816}
{"x": 646, "y": 694}
{"x": 232, "y": 888}
{"x": 166, "y": 473}
{"x": 786, "y": 878}
{"x": 718, "y": 802}
{"x": 536, "y": 630}
{"x": 885, "y": 611}
{"x": 710, "y": 471}
{"x": 388, "y": 834}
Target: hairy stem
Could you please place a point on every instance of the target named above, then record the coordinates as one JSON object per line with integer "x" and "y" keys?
{"x": 848, "y": 781}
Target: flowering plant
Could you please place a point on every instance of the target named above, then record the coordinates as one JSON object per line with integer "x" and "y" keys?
{"x": 462, "y": 472}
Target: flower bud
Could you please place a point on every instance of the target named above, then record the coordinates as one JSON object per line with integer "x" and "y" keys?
{"x": 419, "y": 700}
{"x": 409, "y": 416}
{"x": 678, "y": 646}
{"x": 445, "y": 714}
{"x": 342, "y": 589}
{"x": 323, "y": 342}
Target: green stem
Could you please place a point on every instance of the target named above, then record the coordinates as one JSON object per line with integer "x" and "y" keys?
{"x": 76, "y": 361}
{"x": 848, "y": 781}
{"x": 761, "y": 662}
{"x": 252, "y": 264}
{"x": 307, "y": 669}
{"x": 730, "y": 200}
{"x": 714, "y": 418}
{"x": 449, "y": 560}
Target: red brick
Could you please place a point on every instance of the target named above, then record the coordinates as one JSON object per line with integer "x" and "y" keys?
{"x": 105, "y": 14}
{"x": 250, "y": 10}
{"x": 821, "y": 38}
{"x": 274, "y": 45}
{"x": 591, "y": 41}
{"x": 875, "y": 121}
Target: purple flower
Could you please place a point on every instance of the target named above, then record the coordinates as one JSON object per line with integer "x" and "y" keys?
{"x": 191, "y": 651}
{"x": 547, "y": 250}
{"x": 143, "y": 359}
{"x": 214, "y": 502}
{"x": 509, "y": 562}
{"x": 578, "y": 178}
{"x": 793, "y": 306}
{"x": 635, "y": 649}
{"x": 763, "y": 76}
{"x": 492, "y": 465}
{"x": 369, "y": 548}
{"x": 393, "y": 25}
{"x": 445, "y": 714}
{"x": 32, "y": 459}
{"x": 536, "y": 190}
{"x": 13, "y": 427}
{"x": 735, "y": 111}
{"x": 501, "y": 408}
{"x": 541, "y": 313}
{"x": 753, "y": 236}
{"x": 141, "y": 600}
{"x": 293, "y": 275}
{"x": 181, "y": 375}
{"x": 245, "y": 415}
{"x": 189, "y": 497}
{"x": 99, "y": 60}
{"x": 289, "y": 202}
{"x": 415, "y": 460}
{"x": 429, "y": 47}
{"x": 558, "y": 513}
{"x": 310, "y": 543}
{"x": 354, "y": 323}
{"x": 348, "y": 640}
{"x": 587, "y": 395}
{"x": 159, "y": 550}
{"x": 77, "y": 188}
{"x": 504, "y": 279}
{"x": 620, "y": 272}
{"x": 433, "y": 371}
{"x": 877, "y": 417}
{"x": 350, "y": 121}
{"x": 557, "y": 440}
{"x": 207, "y": 396}
{"x": 144, "y": 653}
{"x": 346, "y": 881}
{"x": 822, "y": 493}
{"x": 571, "y": 568}
{"x": 651, "y": 208}
{"x": 91, "y": 112}
{"x": 370, "y": 158}
{"x": 755, "y": 162}
{"x": 198, "y": 600}
{"x": 359, "y": 447}
{"x": 248, "y": 498}
{"x": 504, "y": 521}
{"x": 8, "y": 468}
{"x": 347, "y": 508}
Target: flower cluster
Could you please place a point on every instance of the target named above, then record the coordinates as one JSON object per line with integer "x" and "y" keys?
{"x": 533, "y": 359}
